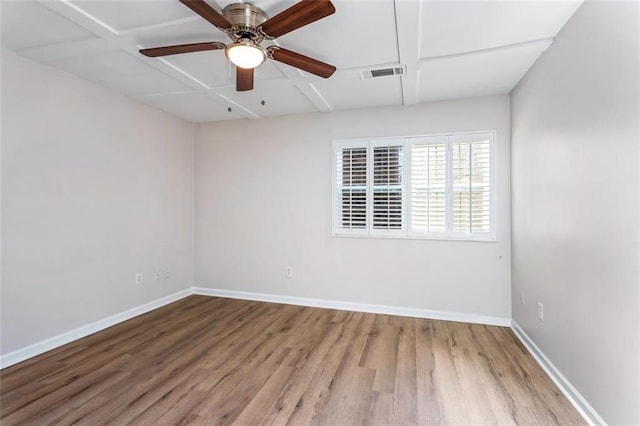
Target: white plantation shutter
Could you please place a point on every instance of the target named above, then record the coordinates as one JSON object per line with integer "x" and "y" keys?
{"x": 422, "y": 187}
{"x": 471, "y": 185}
{"x": 429, "y": 186}
{"x": 387, "y": 187}
{"x": 351, "y": 189}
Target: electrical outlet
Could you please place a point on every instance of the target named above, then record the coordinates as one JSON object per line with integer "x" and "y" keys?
{"x": 540, "y": 311}
{"x": 167, "y": 275}
{"x": 158, "y": 276}
{"x": 289, "y": 272}
{"x": 139, "y": 278}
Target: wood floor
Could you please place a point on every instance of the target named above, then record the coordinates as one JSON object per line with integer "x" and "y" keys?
{"x": 206, "y": 360}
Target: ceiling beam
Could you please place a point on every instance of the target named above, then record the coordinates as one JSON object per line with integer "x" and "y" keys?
{"x": 160, "y": 26}
{"x": 67, "y": 50}
{"x": 542, "y": 42}
{"x": 309, "y": 91}
{"x": 315, "y": 97}
{"x": 408, "y": 32}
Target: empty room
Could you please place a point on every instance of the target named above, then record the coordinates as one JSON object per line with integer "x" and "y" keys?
{"x": 330, "y": 212}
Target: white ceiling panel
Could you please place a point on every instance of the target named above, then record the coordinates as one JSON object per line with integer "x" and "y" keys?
{"x": 346, "y": 90}
{"x": 122, "y": 15}
{"x": 360, "y": 33}
{"x": 450, "y": 27}
{"x": 28, "y": 24}
{"x": 279, "y": 99}
{"x": 121, "y": 72}
{"x": 476, "y": 74}
{"x": 192, "y": 107}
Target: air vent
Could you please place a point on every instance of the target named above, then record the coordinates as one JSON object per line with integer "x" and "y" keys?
{"x": 383, "y": 72}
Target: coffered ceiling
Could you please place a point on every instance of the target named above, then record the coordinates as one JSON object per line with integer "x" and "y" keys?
{"x": 449, "y": 49}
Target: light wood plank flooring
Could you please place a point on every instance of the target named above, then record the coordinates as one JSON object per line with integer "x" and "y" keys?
{"x": 206, "y": 360}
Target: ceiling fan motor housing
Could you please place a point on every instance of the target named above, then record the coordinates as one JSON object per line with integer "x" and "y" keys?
{"x": 244, "y": 15}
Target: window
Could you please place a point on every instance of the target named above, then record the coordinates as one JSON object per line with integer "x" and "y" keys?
{"x": 416, "y": 187}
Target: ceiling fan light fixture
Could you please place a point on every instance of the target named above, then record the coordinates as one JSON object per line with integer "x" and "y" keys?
{"x": 245, "y": 54}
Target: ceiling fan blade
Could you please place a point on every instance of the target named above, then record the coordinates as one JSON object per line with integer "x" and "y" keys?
{"x": 207, "y": 12}
{"x": 302, "y": 62}
{"x": 298, "y": 15}
{"x": 244, "y": 79}
{"x": 182, "y": 48}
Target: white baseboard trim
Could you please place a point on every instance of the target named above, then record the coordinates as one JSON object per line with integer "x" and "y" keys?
{"x": 43, "y": 346}
{"x": 358, "y": 307}
{"x": 581, "y": 405}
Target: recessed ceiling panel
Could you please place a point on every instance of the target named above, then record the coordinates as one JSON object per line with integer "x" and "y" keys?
{"x": 121, "y": 15}
{"x": 477, "y": 74}
{"x": 28, "y": 24}
{"x": 346, "y": 90}
{"x": 279, "y": 99}
{"x": 464, "y": 26}
{"x": 359, "y": 33}
{"x": 192, "y": 107}
{"x": 121, "y": 72}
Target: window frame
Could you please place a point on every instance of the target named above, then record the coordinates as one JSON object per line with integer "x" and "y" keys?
{"x": 407, "y": 143}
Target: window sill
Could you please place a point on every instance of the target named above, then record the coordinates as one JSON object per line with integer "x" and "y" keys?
{"x": 410, "y": 237}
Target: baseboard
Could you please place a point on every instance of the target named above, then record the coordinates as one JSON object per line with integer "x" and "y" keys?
{"x": 68, "y": 337}
{"x": 580, "y": 404}
{"x": 358, "y": 307}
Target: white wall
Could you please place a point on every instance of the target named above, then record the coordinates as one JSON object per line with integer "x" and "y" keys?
{"x": 95, "y": 188}
{"x": 576, "y": 216}
{"x": 263, "y": 202}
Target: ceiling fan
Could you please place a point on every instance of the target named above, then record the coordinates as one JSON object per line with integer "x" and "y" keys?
{"x": 248, "y": 26}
